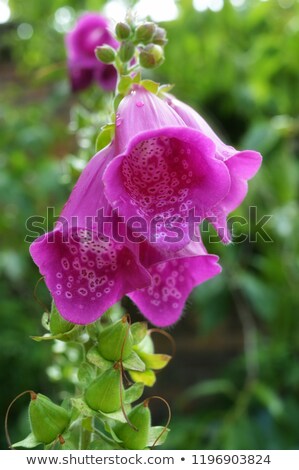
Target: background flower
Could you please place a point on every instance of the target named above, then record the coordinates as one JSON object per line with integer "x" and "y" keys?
{"x": 90, "y": 31}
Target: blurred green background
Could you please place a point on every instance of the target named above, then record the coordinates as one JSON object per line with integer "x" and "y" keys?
{"x": 234, "y": 383}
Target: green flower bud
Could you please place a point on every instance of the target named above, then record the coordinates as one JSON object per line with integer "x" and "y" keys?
{"x": 116, "y": 340}
{"x": 47, "y": 420}
{"x": 126, "y": 51}
{"x": 105, "y": 54}
{"x": 160, "y": 37}
{"x": 151, "y": 56}
{"x": 103, "y": 394}
{"x": 140, "y": 417}
{"x": 58, "y": 324}
{"x": 122, "y": 31}
{"x": 145, "y": 32}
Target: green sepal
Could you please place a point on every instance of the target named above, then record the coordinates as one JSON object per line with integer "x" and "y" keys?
{"x": 117, "y": 415}
{"x": 105, "y": 136}
{"x": 138, "y": 330}
{"x": 100, "y": 444}
{"x": 164, "y": 89}
{"x": 70, "y": 335}
{"x": 124, "y": 84}
{"x": 28, "y": 443}
{"x": 57, "y": 323}
{"x": 148, "y": 377}
{"x": 134, "y": 392}
{"x": 118, "y": 98}
{"x": 94, "y": 357}
{"x": 146, "y": 345}
{"x": 93, "y": 330}
{"x": 86, "y": 374}
{"x": 150, "y": 85}
{"x": 46, "y": 321}
{"x": 154, "y": 433}
{"x": 133, "y": 362}
{"x": 109, "y": 429}
{"x": 154, "y": 361}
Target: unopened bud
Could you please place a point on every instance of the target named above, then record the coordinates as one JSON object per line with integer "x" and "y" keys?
{"x": 160, "y": 37}
{"x": 145, "y": 32}
{"x": 103, "y": 394}
{"x": 126, "y": 51}
{"x": 105, "y": 54}
{"x": 116, "y": 341}
{"x": 122, "y": 31}
{"x": 140, "y": 417}
{"x": 151, "y": 56}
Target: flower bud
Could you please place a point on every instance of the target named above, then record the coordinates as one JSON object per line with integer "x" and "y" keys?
{"x": 151, "y": 56}
{"x": 58, "y": 324}
{"x": 145, "y": 32}
{"x": 126, "y": 51}
{"x": 116, "y": 341}
{"x": 105, "y": 54}
{"x": 103, "y": 394}
{"x": 140, "y": 417}
{"x": 47, "y": 420}
{"x": 159, "y": 37}
{"x": 122, "y": 31}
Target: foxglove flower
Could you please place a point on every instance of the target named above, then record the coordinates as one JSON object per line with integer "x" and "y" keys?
{"x": 85, "y": 270}
{"x": 242, "y": 166}
{"x": 163, "y": 169}
{"x": 90, "y": 31}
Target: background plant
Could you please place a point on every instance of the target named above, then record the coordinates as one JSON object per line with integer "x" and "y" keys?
{"x": 238, "y": 349}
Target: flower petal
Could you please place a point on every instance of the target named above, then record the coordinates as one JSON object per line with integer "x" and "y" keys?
{"x": 162, "y": 303}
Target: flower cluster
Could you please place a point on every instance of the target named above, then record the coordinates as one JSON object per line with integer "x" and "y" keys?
{"x": 131, "y": 224}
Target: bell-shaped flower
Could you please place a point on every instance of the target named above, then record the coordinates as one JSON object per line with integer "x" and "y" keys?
{"x": 90, "y": 31}
{"x": 162, "y": 302}
{"x": 242, "y": 166}
{"x": 85, "y": 269}
{"x": 163, "y": 170}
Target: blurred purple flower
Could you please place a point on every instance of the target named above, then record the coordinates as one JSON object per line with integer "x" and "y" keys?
{"x": 242, "y": 166}
{"x": 90, "y": 31}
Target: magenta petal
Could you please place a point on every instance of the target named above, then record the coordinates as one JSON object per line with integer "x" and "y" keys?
{"x": 86, "y": 273}
{"x": 163, "y": 175}
{"x": 162, "y": 303}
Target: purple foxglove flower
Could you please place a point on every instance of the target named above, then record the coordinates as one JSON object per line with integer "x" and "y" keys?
{"x": 163, "y": 301}
{"x": 86, "y": 271}
{"x": 90, "y": 31}
{"x": 163, "y": 169}
{"x": 242, "y": 166}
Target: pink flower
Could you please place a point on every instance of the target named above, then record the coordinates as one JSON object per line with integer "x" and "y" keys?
{"x": 242, "y": 166}
{"x": 87, "y": 268}
{"x": 90, "y": 31}
{"x": 163, "y": 169}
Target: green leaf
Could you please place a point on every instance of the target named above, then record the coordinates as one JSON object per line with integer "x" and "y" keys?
{"x": 138, "y": 330}
{"x": 268, "y": 398}
{"x": 105, "y": 137}
{"x": 155, "y": 361}
{"x": 82, "y": 407}
{"x": 124, "y": 84}
{"x": 86, "y": 374}
{"x": 154, "y": 434}
{"x": 133, "y": 362}
{"x": 28, "y": 443}
{"x": 150, "y": 85}
{"x": 134, "y": 393}
{"x": 70, "y": 335}
{"x": 117, "y": 415}
{"x": 148, "y": 377}
{"x": 94, "y": 357}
